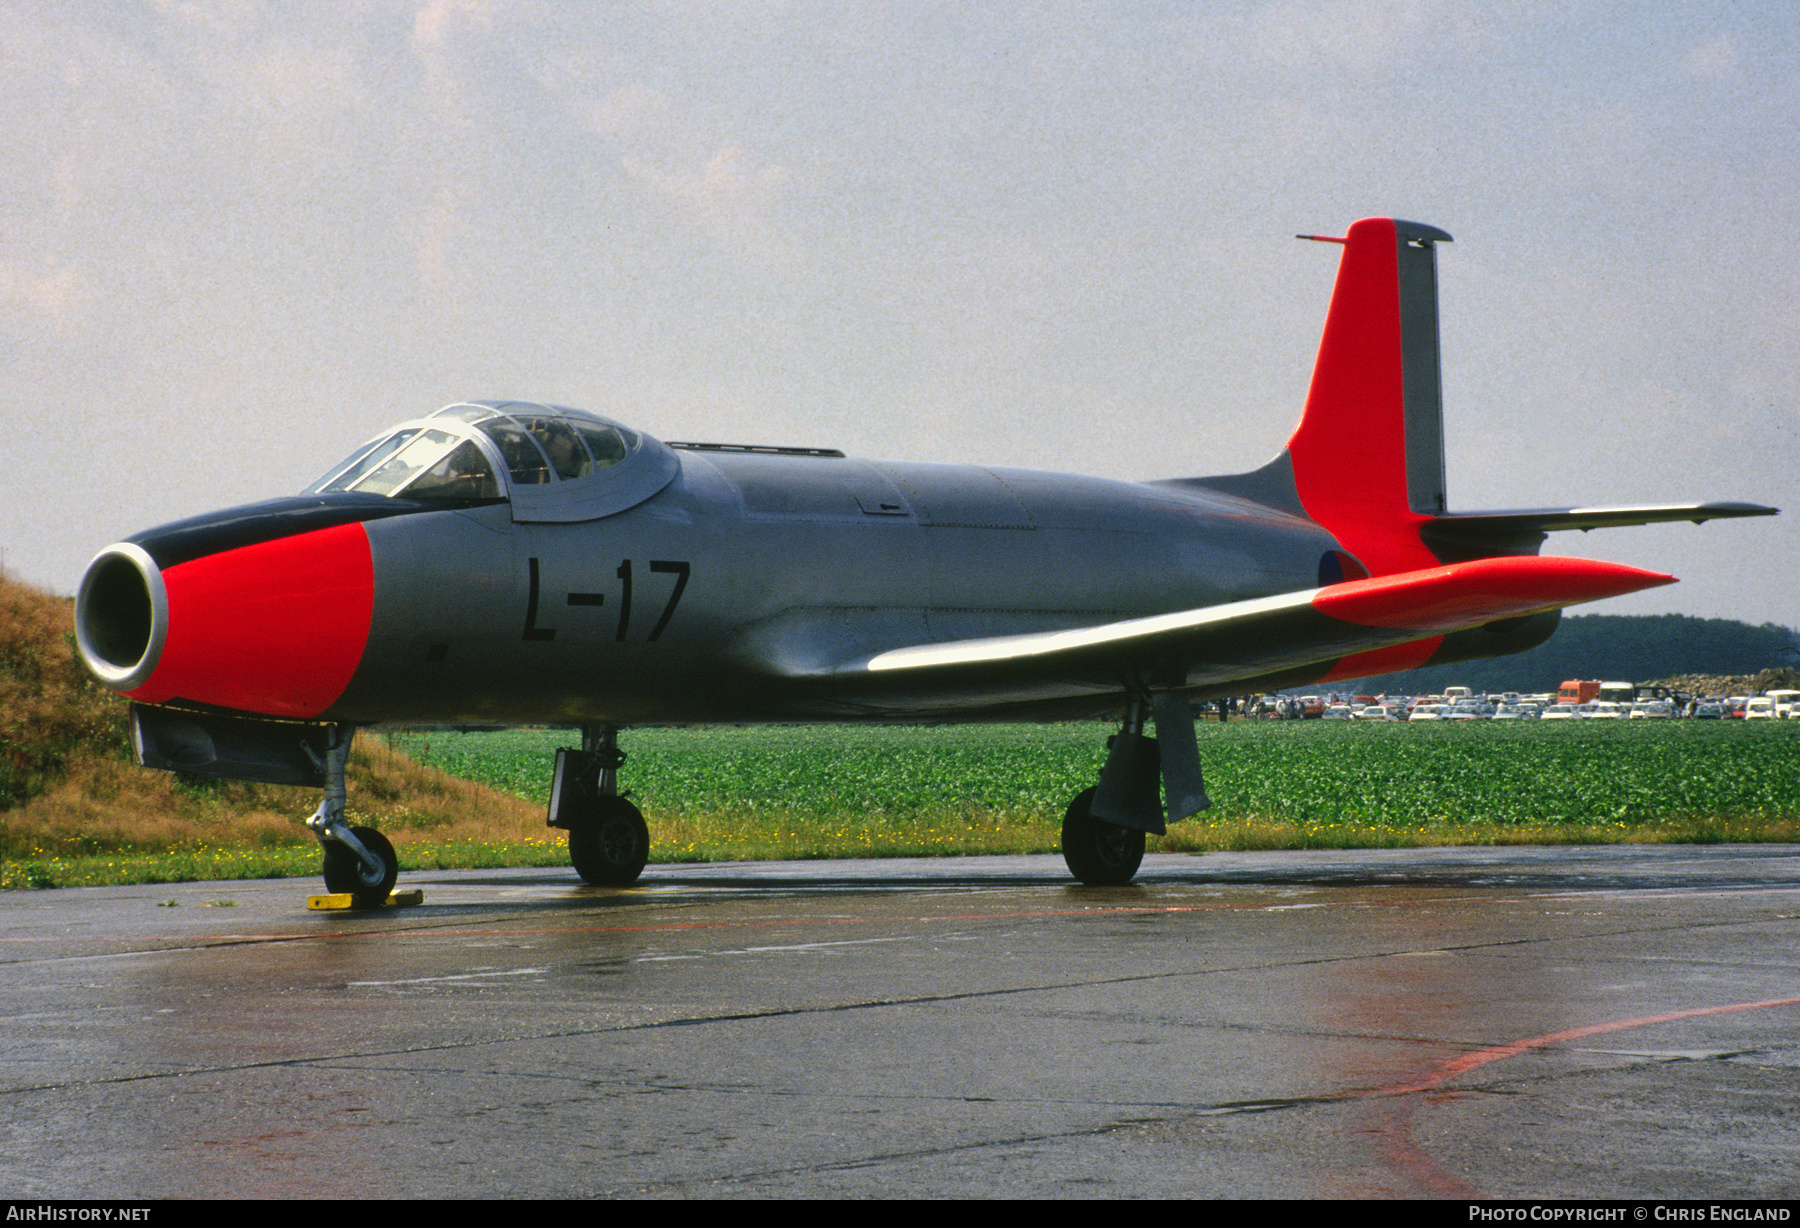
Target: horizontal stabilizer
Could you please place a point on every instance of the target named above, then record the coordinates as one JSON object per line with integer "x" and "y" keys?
{"x": 1553, "y": 519}
{"x": 1246, "y": 639}
{"x": 1460, "y": 535}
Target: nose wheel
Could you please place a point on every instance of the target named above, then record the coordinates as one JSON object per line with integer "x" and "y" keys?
{"x": 359, "y": 861}
{"x": 348, "y": 874}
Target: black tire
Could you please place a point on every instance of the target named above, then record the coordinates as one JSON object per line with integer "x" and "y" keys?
{"x": 345, "y": 874}
{"x": 1099, "y": 854}
{"x": 610, "y": 846}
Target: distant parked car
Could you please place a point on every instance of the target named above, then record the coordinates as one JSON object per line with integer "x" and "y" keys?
{"x": 1785, "y": 703}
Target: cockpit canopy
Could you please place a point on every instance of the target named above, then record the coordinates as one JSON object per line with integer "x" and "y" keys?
{"x": 552, "y": 463}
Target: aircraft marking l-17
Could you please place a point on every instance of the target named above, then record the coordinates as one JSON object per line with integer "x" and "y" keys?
{"x": 506, "y": 562}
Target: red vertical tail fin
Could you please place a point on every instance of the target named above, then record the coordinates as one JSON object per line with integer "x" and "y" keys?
{"x": 1368, "y": 455}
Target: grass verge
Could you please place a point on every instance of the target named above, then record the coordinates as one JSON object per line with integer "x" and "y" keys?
{"x": 476, "y": 800}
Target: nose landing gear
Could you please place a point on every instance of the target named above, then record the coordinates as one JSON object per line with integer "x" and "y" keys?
{"x": 359, "y": 861}
{"x": 347, "y": 873}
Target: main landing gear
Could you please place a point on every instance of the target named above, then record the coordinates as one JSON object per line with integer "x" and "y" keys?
{"x": 359, "y": 861}
{"x": 1098, "y": 853}
{"x": 608, "y": 839}
{"x": 1104, "y": 828}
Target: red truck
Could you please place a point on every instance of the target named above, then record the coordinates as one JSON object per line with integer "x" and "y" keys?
{"x": 1577, "y": 691}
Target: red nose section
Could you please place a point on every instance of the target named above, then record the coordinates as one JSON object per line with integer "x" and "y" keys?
{"x": 275, "y": 628}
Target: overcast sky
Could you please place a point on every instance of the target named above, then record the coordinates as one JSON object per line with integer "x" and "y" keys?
{"x": 239, "y": 237}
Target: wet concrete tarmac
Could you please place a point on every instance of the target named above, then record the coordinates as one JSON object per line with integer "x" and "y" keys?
{"x": 1459, "y": 1022}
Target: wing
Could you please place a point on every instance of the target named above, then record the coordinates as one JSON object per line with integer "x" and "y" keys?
{"x": 1342, "y": 627}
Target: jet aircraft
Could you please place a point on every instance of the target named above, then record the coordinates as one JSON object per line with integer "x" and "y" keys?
{"x": 516, "y": 563}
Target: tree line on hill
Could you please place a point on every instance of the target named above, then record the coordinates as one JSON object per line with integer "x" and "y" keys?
{"x": 1614, "y": 647}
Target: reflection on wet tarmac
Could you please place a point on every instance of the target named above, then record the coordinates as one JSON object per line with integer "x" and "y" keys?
{"x": 1573, "y": 1022}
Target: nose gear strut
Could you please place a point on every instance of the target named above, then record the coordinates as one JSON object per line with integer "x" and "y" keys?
{"x": 359, "y": 861}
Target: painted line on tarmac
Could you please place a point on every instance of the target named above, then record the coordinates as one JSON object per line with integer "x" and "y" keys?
{"x": 460, "y": 976}
{"x": 794, "y": 946}
{"x": 1446, "y": 1071}
{"x": 1403, "y": 1153}
{"x": 156, "y": 944}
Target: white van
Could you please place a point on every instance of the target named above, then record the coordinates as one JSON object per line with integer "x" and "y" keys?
{"x": 1785, "y": 703}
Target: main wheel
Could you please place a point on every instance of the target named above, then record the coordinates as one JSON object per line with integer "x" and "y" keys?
{"x": 610, "y": 846}
{"x": 345, "y": 872}
{"x": 1099, "y": 854}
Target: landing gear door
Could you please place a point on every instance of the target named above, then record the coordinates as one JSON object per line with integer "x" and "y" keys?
{"x": 238, "y": 748}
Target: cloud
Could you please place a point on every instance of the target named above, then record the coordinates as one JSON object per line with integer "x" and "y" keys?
{"x": 229, "y": 19}
{"x": 1716, "y": 60}
{"x": 731, "y": 197}
{"x": 54, "y": 294}
{"x": 1361, "y": 35}
{"x": 634, "y": 110}
{"x": 436, "y": 20}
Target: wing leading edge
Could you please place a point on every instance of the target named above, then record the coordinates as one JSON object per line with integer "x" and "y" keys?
{"x": 1349, "y": 623}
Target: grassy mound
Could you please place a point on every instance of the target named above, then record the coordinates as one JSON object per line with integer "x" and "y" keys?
{"x": 51, "y": 709}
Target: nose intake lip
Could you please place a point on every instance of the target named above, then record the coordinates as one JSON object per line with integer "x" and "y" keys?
{"x": 122, "y": 616}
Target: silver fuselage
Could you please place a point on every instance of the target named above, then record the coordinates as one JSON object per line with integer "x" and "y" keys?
{"x": 790, "y": 568}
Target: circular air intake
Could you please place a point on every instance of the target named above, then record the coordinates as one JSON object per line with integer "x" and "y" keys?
{"x": 121, "y": 616}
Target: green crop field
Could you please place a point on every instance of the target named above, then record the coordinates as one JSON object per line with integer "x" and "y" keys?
{"x": 809, "y": 792}
{"x": 820, "y": 792}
